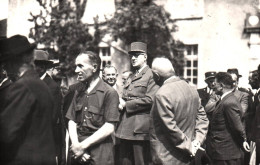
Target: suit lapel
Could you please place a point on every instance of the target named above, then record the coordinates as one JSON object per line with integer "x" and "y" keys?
{"x": 219, "y": 103}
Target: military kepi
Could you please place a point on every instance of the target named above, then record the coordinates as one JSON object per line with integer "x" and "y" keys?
{"x": 210, "y": 75}
{"x": 138, "y": 47}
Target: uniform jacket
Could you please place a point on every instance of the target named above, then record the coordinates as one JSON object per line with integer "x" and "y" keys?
{"x": 204, "y": 96}
{"x": 26, "y": 135}
{"x": 226, "y": 132}
{"x": 177, "y": 119}
{"x": 138, "y": 94}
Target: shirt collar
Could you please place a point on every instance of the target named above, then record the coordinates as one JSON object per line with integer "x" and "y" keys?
{"x": 4, "y": 80}
{"x": 168, "y": 79}
{"x": 225, "y": 94}
{"x": 43, "y": 76}
{"x": 142, "y": 68}
{"x": 93, "y": 84}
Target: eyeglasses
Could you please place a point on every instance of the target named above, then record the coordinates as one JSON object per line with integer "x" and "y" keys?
{"x": 136, "y": 54}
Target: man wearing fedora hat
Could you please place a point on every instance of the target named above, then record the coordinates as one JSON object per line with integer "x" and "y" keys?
{"x": 240, "y": 93}
{"x": 42, "y": 63}
{"x": 26, "y": 135}
{"x": 138, "y": 93}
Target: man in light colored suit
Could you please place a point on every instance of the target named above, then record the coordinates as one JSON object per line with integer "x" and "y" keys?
{"x": 138, "y": 93}
{"x": 179, "y": 123}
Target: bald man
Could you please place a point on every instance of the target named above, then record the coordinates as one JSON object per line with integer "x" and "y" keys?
{"x": 179, "y": 122}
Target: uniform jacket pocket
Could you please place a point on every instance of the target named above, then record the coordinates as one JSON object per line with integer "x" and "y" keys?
{"x": 142, "y": 123}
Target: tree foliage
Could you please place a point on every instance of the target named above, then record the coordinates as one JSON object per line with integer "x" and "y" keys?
{"x": 59, "y": 30}
{"x": 147, "y": 22}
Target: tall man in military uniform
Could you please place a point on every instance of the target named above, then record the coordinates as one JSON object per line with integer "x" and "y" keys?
{"x": 138, "y": 93}
{"x": 92, "y": 114}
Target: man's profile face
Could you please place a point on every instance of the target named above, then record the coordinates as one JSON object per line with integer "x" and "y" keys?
{"x": 235, "y": 79}
{"x": 254, "y": 80}
{"x": 84, "y": 69}
{"x": 138, "y": 59}
{"x": 110, "y": 76}
{"x": 125, "y": 77}
{"x": 218, "y": 88}
{"x": 210, "y": 82}
{"x": 40, "y": 69}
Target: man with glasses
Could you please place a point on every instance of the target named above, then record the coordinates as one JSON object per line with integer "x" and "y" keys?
{"x": 138, "y": 93}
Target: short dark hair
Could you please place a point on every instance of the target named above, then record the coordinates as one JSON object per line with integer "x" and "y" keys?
{"x": 225, "y": 78}
{"x": 94, "y": 59}
{"x": 107, "y": 67}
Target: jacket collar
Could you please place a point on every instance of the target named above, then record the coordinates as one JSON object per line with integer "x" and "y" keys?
{"x": 172, "y": 79}
{"x": 99, "y": 87}
{"x": 139, "y": 75}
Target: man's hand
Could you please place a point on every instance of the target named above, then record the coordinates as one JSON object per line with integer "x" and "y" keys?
{"x": 77, "y": 150}
{"x": 246, "y": 146}
{"x": 121, "y": 104}
{"x": 85, "y": 157}
{"x": 195, "y": 145}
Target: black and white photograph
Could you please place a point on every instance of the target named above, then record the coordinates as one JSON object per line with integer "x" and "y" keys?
{"x": 129, "y": 82}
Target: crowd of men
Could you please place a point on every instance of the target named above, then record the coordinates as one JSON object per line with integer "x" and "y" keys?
{"x": 155, "y": 117}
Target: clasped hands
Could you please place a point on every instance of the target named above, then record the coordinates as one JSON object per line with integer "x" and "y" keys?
{"x": 78, "y": 151}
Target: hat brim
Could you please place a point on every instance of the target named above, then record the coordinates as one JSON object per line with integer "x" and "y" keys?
{"x": 136, "y": 51}
{"x": 10, "y": 55}
{"x": 49, "y": 63}
{"x": 209, "y": 77}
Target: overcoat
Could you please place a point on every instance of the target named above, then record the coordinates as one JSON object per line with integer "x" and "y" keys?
{"x": 26, "y": 135}
{"x": 138, "y": 94}
{"x": 177, "y": 119}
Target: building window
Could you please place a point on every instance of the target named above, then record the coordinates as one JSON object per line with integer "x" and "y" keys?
{"x": 191, "y": 61}
{"x": 105, "y": 55}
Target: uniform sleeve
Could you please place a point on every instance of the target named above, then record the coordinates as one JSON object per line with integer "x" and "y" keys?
{"x": 111, "y": 106}
{"x": 16, "y": 113}
{"x": 202, "y": 123}
{"x": 232, "y": 113}
{"x": 175, "y": 136}
{"x": 144, "y": 103}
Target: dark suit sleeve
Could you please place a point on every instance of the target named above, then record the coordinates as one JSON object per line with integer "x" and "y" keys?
{"x": 176, "y": 136}
{"x": 16, "y": 113}
{"x": 232, "y": 113}
{"x": 202, "y": 123}
{"x": 144, "y": 103}
{"x": 244, "y": 103}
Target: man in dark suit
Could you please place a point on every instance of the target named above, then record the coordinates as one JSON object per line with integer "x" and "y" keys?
{"x": 133, "y": 129}
{"x": 26, "y": 135}
{"x": 42, "y": 63}
{"x": 179, "y": 123}
{"x": 205, "y": 93}
{"x": 226, "y": 133}
{"x": 256, "y": 125}
{"x": 242, "y": 96}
